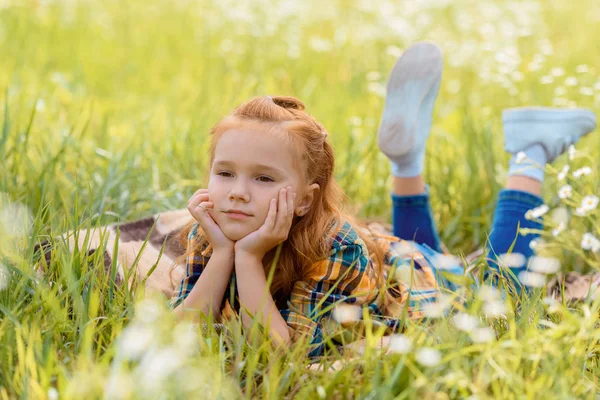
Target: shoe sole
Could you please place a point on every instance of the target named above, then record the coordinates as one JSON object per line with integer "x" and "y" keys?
{"x": 422, "y": 62}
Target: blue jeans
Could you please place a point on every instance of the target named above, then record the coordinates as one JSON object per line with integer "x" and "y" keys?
{"x": 413, "y": 220}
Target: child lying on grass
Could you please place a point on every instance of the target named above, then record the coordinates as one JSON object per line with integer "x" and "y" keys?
{"x": 272, "y": 213}
{"x": 272, "y": 207}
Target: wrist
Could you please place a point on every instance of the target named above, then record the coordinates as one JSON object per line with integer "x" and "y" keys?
{"x": 223, "y": 253}
{"x": 247, "y": 257}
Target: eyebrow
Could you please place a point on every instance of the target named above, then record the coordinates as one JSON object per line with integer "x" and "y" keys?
{"x": 276, "y": 170}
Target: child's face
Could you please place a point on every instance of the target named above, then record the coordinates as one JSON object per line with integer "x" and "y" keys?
{"x": 248, "y": 170}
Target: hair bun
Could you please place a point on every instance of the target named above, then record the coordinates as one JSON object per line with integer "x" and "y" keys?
{"x": 288, "y": 102}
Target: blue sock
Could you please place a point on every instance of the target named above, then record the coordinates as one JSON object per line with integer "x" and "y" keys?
{"x": 533, "y": 166}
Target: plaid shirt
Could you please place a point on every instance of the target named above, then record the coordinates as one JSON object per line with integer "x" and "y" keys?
{"x": 347, "y": 275}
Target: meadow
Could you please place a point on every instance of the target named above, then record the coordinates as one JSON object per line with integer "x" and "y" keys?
{"x": 105, "y": 113}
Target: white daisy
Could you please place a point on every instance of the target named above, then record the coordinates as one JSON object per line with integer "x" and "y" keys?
{"x": 511, "y": 260}
{"x": 572, "y": 152}
{"x": 563, "y": 173}
{"x": 581, "y": 172}
{"x": 589, "y": 203}
{"x": 521, "y": 156}
{"x": 494, "y": 308}
{"x": 445, "y": 261}
{"x": 537, "y": 212}
{"x": 557, "y": 231}
{"x": 571, "y": 81}
{"x": 483, "y": 335}
{"x": 428, "y": 357}
{"x": 465, "y": 322}
{"x": 400, "y": 344}
{"x": 532, "y": 279}
{"x": 590, "y": 242}
{"x": 536, "y": 244}
{"x": 565, "y": 192}
{"x": 544, "y": 265}
{"x": 580, "y": 212}
{"x": 345, "y": 313}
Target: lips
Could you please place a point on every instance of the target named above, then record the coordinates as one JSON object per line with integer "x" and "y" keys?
{"x": 238, "y": 212}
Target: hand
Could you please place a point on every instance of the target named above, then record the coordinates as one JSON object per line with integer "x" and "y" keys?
{"x": 199, "y": 206}
{"x": 274, "y": 230}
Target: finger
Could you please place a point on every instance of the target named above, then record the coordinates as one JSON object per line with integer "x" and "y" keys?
{"x": 197, "y": 199}
{"x": 271, "y": 215}
{"x": 197, "y": 192}
{"x": 291, "y": 202}
{"x": 281, "y": 209}
{"x": 202, "y": 214}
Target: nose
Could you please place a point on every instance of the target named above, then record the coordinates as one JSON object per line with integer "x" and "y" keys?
{"x": 239, "y": 191}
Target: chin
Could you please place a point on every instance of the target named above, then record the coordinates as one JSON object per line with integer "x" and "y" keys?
{"x": 236, "y": 234}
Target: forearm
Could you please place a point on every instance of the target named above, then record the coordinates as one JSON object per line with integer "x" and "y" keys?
{"x": 256, "y": 298}
{"x": 208, "y": 291}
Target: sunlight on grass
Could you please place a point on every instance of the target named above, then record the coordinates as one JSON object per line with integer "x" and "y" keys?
{"x": 105, "y": 112}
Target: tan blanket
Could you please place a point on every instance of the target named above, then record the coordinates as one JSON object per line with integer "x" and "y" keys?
{"x": 164, "y": 274}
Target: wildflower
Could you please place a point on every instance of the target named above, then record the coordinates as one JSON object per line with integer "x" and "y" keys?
{"x": 544, "y": 265}
{"x": 15, "y": 218}
{"x": 373, "y": 75}
{"x": 572, "y": 152}
{"x": 553, "y": 304}
{"x": 582, "y": 171}
{"x": 394, "y": 51}
{"x": 511, "y": 260}
{"x": 580, "y": 212}
{"x": 563, "y": 173}
{"x": 437, "y": 308}
{"x": 356, "y": 121}
{"x": 557, "y": 231}
{"x": 571, "y": 81}
{"x": 521, "y": 157}
{"x": 536, "y": 244}
{"x": 488, "y": 293}
{"x": 40, "y": 105}
{"x": 546, "y": 80}
{"x": 400, "y": 344}
{"x": 537, "y": 212}
{"x": 589, "y": 203}
{"x": 560, "y": 215}
{"x": 565, "y": 192}
{"x": 377, "y": 88}
{"x": 557, "y": 72}
{"x": 590, "y": 242}
{"x": 560, "y": 91}
{"x": 465, "y": 322}
{"x": 345, "y": 313}
{"x": 52, "y": 394}
{"x": 135, "y": 341}
{"x": 428, "y": 357}
{"x": 494, "y": 308}
{"x": 4, "y": 277}
{"x": 532, "y": 279}
{"x": 586, "y": 91}
{"x": 148, "y": 311}
{"x": 156, "y": 366}
{"x": 483, "y": 335}
{"x": 582, "y": 69}
{"x": 445, "y": 261}
{"x": 320, "y": 45}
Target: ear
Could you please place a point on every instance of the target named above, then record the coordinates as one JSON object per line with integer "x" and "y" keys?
{"x": 304, "y": 204}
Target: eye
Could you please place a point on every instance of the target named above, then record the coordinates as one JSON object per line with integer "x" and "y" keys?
{"x": 225, "y": 174}
{"x": 264, "y": 178}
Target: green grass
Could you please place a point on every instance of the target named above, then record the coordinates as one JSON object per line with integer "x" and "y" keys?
{"x": 105, "y": 112}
